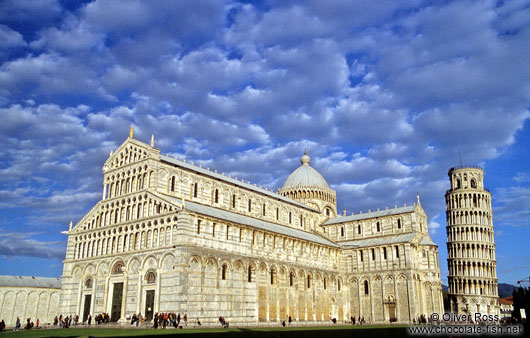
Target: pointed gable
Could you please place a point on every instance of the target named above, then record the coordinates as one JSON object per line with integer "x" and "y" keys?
{"x": 130, "y": 151}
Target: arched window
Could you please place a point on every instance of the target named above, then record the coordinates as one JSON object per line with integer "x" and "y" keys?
{"x": 457, "y": 183}
{"x": 223, "y": 272}
{"x": 473, "y": 183}
{"x": 291, "y": 279}
{"x": 249, "y": 205}
{"x": 342, "y": 231}
{"x": 216, "y": 196}
{"x": 249, "y": 274}
{"x": 264, "y": 210}
{"x": 234, "y": 201}
{"x": 373, "y": 254}
{"x": 195, "y": 189}
{"x": 338, "y": 285}
{"x": 173, "y": 183}
{"x": 150, "y": 277}
{"x": 327, "y": 211}
{"x": 325, "y": 283}
{"x": 359, "y": 229}
{"x": 277, "y": 213}
{"x": 88, "y": 283}
{"x": 273, "y": 275}
{"x": 366, "y": 287}
{"x": 399, "y": 223}
{"x": 378, "y": 227}
{"x": 290, "y": 217}
{"x": 308, "y": 281}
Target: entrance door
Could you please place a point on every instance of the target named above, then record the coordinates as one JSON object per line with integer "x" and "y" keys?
{"x": 392, "y": 310}
{"x": 86, "y": 307}
{"x": 117, "y": 293}
{"x": 149, "y": 304}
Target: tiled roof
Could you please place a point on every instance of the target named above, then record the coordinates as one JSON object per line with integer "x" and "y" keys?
{"x": 426, "y": 240}
{"x": 372, "y": 214}
{"x": 386, "y": 240}
{"x": 30, "y": 281}
{"x": 376, "y": 241}
{"x": 257, "y": 223}
{"x": 232, "y": 181}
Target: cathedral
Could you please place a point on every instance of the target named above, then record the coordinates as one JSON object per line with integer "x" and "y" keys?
{"x": 171, "y": 236}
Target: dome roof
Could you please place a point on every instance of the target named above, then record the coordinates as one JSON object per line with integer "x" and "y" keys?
{"x": 305, "y": 176}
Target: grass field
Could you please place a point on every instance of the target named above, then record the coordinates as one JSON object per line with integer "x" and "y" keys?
{"x": 288, "y": 332}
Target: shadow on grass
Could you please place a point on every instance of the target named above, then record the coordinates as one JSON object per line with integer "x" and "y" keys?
{"x": 289, "y": 333}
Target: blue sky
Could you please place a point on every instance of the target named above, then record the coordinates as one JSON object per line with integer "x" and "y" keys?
{"x": 383, "y": 94}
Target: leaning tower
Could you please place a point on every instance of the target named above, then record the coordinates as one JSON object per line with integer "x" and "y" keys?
{"x": 470, "y": 244}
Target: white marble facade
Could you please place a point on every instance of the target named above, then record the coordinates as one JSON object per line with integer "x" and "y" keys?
{"x": 169, "y": 236}
{"x": 29, "y": 297}
{"x": 471, "y": 259}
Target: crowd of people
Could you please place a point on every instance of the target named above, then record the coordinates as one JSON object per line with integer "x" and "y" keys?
{"x": 164, "y": 320}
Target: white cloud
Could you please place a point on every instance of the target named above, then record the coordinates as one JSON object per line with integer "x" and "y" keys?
{"x": 10, "y": 38}
{"x": 27, "y": 11}
{"x": 22, "y": 244}
{"x": 383, "y": 94}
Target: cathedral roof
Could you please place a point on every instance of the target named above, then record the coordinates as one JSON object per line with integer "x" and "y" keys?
{"x": 372, "y": 214}
{"x": 381, "y": 240}
{"x": 386, "y": 240}
{"x": 30, "y": 281}
{"x": 305, "y": 176}
{"x": 234, "y": 181}
{"x": 257, "y": 223}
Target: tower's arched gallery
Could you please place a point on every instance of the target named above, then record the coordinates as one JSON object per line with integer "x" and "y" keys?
{"x": 169, "y": 236}
{"x": 470, "y": 244}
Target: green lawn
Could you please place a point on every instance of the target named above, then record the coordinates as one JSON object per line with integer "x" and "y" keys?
{"x": 335, "y": 331}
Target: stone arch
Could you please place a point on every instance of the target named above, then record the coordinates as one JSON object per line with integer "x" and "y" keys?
{"x": 211, "y": 263}
{"x": 238, "y": 265}
{"x": 76, "y": 272}
{"x": 195, "y": 263}
{"x": 133, "y": 265}
{"x": 88, "y": 269}
{"x": 167, "y": 262}
{"x": 102, "y": 269}
{"x": 263, "y": 267}
{"x": 149, "y": 262}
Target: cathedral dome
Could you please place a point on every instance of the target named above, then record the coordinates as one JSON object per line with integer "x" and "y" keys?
{"x": 305, "y": 176}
